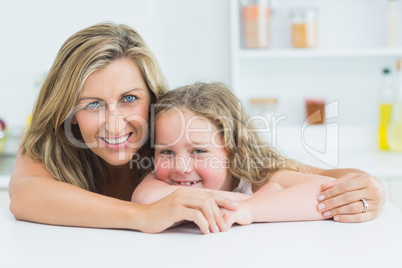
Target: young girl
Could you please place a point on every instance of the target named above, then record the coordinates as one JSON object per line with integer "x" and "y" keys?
{"x": 204, "y": 139}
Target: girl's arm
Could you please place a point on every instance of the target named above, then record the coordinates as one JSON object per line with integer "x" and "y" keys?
{"x": 36, "y": 196}
{"x": 151, "y": 189}
{"x": 295, "y": 202}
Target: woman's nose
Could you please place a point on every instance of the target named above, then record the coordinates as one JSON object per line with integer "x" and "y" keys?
{"x": 115, "y": 120}
{"x": 183, "y": 164}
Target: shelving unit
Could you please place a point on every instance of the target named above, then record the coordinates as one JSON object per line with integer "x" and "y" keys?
{"x": 317, "y": 53}
{"x": 350, "y": 74}
{"x": 239, "y": 54}
{"x": 326, "y": 71}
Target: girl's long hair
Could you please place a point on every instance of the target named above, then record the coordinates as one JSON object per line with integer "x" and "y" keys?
{"x": 250, "y": 157}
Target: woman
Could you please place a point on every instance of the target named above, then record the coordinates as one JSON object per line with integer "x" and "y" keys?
{"x": 90, "y": 119}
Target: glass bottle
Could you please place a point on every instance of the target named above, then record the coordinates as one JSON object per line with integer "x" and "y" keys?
{"x": 315, "y": 111}
{"x": 394, "y": 133}
{"x": 385, "y": 107}
{"x": 256, "y": 23}
{"x": 264, "y": 109}
{"x": 3, "y": 135}
{"x": 304, "y": 28}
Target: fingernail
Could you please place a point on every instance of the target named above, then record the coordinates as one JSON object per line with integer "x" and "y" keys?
{"x": 321, "y": 206}
{"x": 217, "y": 228}
{"x": 321, "y": 197}
{"x": 327, "y": 213}
{"x": 235, "y": 204}
{"x": 336, "y": 218}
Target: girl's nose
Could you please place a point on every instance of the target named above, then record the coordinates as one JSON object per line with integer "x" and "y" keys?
{"x": 183, "y": 164}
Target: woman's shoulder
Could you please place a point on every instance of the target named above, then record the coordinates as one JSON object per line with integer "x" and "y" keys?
{"x": 25, "y": 166}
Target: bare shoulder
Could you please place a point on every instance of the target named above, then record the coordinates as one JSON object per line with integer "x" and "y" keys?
{"x": 26, "y": 167}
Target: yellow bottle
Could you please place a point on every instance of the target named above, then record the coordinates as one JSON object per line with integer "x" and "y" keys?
{"x": 385, "y": 115}
{"x": 385, "y": 108}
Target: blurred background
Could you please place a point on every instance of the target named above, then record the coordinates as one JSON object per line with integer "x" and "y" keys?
{"x": 281, "y": 57}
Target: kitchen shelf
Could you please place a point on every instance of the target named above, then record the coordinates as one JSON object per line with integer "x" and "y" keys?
{"x": 346, "y": 66}
{"x": 319, "y": 53}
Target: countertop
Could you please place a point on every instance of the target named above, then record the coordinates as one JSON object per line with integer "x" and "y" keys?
{"x": 291, "y": 244}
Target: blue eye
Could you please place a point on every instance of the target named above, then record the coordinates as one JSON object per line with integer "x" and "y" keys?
{"x": 93, "y": 105}
{"x": 129, "y": 98}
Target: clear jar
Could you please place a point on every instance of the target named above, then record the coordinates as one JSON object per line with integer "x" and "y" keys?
{"x": 315, "y": 111}
{"x": 304, "y": 28}
{"x": 256, "y": 23}
{"x": 264, "y": 108}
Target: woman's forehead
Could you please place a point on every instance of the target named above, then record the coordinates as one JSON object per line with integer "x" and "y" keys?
{"x": 116, "y": 77}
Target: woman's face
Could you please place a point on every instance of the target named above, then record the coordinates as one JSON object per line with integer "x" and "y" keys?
{"x": 113, "y": 111}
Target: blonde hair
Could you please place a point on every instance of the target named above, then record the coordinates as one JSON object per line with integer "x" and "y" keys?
{"x": 245, "y": 148}
{"x": 86, "y": 51}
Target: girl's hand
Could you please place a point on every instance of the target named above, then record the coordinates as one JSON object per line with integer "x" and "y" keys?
{"x": 342, "y": 199}
{"x": 186, "y": 204}
{"x": 242, "y": 216}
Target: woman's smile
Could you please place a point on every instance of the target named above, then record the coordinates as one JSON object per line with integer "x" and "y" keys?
{"x": 118, "y": 142}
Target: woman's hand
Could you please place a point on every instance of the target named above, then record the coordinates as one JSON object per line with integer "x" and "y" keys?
{"x": 342, "y": 199}
{"x": 186, "y": 204}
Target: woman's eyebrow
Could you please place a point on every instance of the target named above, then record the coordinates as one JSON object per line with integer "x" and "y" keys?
{"x": 89, "y": 98}
{"x": 121, "y": 95}
{"x": 131, "y": 90}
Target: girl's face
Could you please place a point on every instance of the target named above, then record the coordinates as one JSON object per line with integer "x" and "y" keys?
{"x": 112, "y": 111}
{"x": 189, "y": 151}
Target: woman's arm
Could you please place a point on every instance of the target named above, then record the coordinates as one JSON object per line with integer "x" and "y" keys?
{"x": 36, "y": 196}
{"x": 151, "y": 189}
{"x": 341, "y": 199}
{"x": 294, "y": 200}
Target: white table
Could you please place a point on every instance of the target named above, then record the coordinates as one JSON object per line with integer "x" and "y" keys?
{"x": 294, "y": 244}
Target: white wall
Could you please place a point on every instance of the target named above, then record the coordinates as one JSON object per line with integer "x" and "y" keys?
{"x": 189, "y": 38}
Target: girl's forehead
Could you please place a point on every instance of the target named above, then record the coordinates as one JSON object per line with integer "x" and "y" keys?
{"x": 177, "y": 127}
{"x": 187, "y": 117}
